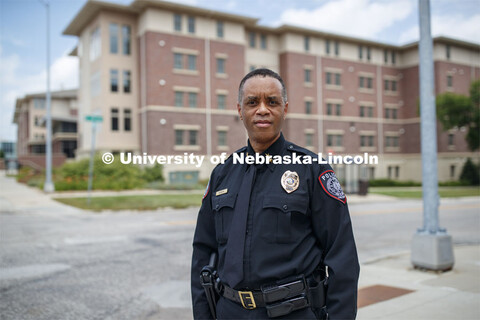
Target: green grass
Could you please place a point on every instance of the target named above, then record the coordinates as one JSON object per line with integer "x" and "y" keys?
{"x": 149, "y": 202}
{"x": 416, "y": 192}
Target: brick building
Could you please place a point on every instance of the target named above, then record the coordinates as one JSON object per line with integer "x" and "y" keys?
{"x": 30, "y": 112}
{"x": 165, "y": 76}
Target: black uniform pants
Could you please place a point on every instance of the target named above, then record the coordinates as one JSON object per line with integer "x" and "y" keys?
{"x": 227, "y": 309}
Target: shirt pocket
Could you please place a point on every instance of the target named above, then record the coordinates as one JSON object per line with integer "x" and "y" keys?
{"x": 223, "y": 207}
{"x": 279, "y": 213}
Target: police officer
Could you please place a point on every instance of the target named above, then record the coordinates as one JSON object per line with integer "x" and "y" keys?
{"x": 277, "y": 227}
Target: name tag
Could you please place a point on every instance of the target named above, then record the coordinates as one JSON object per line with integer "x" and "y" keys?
{"x": 220, "y": 192}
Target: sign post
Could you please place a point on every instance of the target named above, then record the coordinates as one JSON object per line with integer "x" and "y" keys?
{"x": 93, "y": 119}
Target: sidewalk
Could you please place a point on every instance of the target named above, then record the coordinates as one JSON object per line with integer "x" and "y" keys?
{"x": 425, "y": 295}
{"x": 18, "y": 197}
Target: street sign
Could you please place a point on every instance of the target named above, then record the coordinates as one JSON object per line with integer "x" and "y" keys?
{"x": 94, "y": 118}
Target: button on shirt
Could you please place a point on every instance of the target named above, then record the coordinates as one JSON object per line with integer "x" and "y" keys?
{"x": 287, "y": 234}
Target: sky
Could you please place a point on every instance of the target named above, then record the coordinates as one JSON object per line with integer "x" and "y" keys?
{"x": 23, "y": 33}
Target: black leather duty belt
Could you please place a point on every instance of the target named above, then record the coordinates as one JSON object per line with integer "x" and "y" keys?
{"x": 280, "y": 298}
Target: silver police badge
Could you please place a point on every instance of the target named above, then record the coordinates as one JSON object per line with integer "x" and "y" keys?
{"x": 290, "y": 181}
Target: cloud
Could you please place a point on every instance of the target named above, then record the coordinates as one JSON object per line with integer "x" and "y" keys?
{"x": 14, "y": 85}
{"x": 454, "y": 26}
{"x": 360, "y": 18}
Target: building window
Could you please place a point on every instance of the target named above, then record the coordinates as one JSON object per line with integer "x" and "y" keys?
{"x": 452, "y": 171}
{"x": 334, "y": 109}
{"x": 220, "y": 29}
{"x": 392, "y": 170}
{"x": 338, "y": 109}
{"x": 95, "y": 44}
{"x": 337, "y": 48}
{"x": 177, "y": 22}
{"x": 366, "y": 82}
{"x": 391, "y": 141}
{"x": 251, "y": 39}
{"x": 334, "y": 140}
{"x": 192, "y": 137}
{"x": 366, "y": 141}
{"x": 369, "y": 53}
{"x": 191, "y": 24}
{"x": 192, "y": 99}
{"x": 447, "y": 51}
{"x": 178, "y": 137}
{"x": 221, "y": 98}
{"x": 309, "y": 139}
{"x": 178, "y": 61}
{"x": 390, "y": 113}
{"x": 38, "y": 148}
{"x": 385, "y": 56}
{"x": 451, "y": 140}
{"x": 221, "y": 65}
{"x": 308, "y": 76}
{"x": 113, "y": 80}
{"x": 308, "y": 107}
{"x": 366, "y": 112}
{"x": 306, "y": 44}
{"x": 126, "y": 39}
{"x": 127, "y": 120}
{"x": 39, "y": 104}
{"x": 394, "y": 59}
{"x": 327, "y": 46}
{"x": 222, "y": 138}
{"x": 114, "y": 119}
{"x": 192, "y": 62}
{"x": 449, "y": 81}
{"x": 390, "y": 85}
{"x": 360, "y": 52}
{"x": 178, "y": 99}
{"x": 113, "y": 28}
{"x": 337, "y": 79}
{"x": 126, "y": 81}
{"x": 263, "y": 41}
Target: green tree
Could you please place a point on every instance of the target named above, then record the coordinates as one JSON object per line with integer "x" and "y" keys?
{"x": 470, "y": 173}
{"x": 456, "y": 110}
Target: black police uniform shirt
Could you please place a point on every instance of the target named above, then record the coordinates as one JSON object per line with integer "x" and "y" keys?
{"x": 287, "y": 234}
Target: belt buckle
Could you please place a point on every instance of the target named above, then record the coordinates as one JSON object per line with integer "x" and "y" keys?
{"x": 247, "y": 299}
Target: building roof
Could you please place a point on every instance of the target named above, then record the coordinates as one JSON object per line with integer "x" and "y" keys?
{"x": 61, "y": 94}
{"x": 93, "y": 7}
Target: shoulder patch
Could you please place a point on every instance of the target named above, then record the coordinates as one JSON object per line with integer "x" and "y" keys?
{"x": 206, "y": 190}
{"x": 332, "y": 187}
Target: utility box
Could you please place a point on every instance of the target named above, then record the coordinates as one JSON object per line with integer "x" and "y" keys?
{"x": 183, "y": 177}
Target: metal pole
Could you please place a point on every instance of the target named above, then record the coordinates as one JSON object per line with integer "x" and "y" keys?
{"x": 431, "y": 247}
{"x": 90, "y": 167}
{"x": 428, "y": 123}
{"x": 48, "y": 186}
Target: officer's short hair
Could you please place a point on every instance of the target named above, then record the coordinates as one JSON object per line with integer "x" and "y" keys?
{"x": 262, "y": 72}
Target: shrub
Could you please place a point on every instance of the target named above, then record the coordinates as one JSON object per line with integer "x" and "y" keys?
{"x": 470, "y": 173}
{"x": 115, "y": 176}
{"x": 154, "y": 173}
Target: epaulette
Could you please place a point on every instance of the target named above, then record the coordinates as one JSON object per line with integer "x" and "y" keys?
{"x": 242, "y": 149}
{"x": 295, "y": 148}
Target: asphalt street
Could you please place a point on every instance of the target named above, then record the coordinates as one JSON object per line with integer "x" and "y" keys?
{"x": 63, "y": 263}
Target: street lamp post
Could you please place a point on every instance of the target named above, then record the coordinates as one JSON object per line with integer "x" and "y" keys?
{"x": 431, "y": 245}
{"x": 48, "y": 186}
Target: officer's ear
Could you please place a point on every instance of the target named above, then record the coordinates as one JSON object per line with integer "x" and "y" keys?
{"x": 239, "y": 109}
{"x": 285, "y": 110}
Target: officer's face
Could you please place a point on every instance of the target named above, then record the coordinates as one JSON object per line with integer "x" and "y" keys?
{"x": 262, "y": 109}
